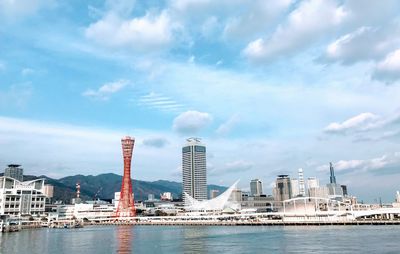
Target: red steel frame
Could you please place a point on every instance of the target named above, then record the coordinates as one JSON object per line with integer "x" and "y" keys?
{"x": 126, "y": 205}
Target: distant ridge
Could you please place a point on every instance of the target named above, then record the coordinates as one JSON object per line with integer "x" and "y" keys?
{"x": 105, "y": 185}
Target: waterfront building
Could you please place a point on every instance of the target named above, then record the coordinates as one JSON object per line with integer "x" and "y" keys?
{"x": 332, "y": 172}
{"x": 14, "y": 171}
{"x": 302, "y": 187}
{"x": 194, "y": 172}
{"x": 236, "y": 195}
{"x": 312, "y": 182}
{"x": 217, "y": 204}
{"x": 166, "y": 196}
{"x": 90, "y": 212}
{"x": 214, "y": 193}
{"x": 21, "y": 198}
{"x": 294, "y": 185}
{"x": 48, "y": 190}
{"x": 256, "y": 187}
{"x": 318, "y": 192}
{"x": 283, "y": 190}
{"x": 261, "y": 203}
{"x": 344, "y": 190}
{"x": 150, "y": 197}
{"x": 335, "y": 190}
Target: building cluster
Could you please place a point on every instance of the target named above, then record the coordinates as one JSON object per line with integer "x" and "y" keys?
{"x": 33, "y": 198}
{"x": 23, "y": 198}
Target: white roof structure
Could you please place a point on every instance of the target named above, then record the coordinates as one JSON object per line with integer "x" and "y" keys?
{"x": 216, "y": 204}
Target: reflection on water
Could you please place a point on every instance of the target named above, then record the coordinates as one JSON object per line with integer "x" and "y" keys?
{"x": 196, "y": 239}
{"x": 124, "y": 235}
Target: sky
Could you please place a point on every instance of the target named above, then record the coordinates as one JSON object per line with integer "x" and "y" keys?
{"x": 269, "y": 86}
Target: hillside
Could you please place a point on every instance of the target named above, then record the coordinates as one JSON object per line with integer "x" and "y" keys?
{"x": 105, "y": 185}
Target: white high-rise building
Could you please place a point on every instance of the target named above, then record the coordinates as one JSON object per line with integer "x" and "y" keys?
{"x": 312, "y": 182}
{"x": 256, "y": 187}
{"x": 294, "y": 183}
{"x": 194, "y": 171}
{"x": 302, "y": 187}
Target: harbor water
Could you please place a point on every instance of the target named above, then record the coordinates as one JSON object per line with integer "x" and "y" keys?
{"x": 204, "y": 239}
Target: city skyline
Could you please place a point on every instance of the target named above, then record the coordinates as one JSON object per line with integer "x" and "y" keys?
{"x": 267, "y": 93}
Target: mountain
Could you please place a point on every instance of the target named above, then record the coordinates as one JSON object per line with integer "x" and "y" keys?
{"x": 104, "y": 186}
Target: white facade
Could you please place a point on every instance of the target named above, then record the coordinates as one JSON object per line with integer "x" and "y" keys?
{"x": 294, "y": 183}
{"x": 256, "y": 187}
{"x": 166, "y": 196}
{"x": 214, "y": 193}
{"x": 302, "y": 186}
{"x": 90, "y": 212}
{"x": 48, "y": 190}
{"x": 216, "y": 204}
{"x": 312, "y": 182}
{"x": 319, "y": 192}
{"x": 21, "y": 198}
{"x": 194, "y": 172}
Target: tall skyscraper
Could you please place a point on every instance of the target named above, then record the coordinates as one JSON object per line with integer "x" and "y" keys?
{"x": 283, "y": 189}
{"x": 126, "y": 205}
{"x": 335, "y": 190}
{"x": 14, "y": 171}
{"x": 194, "y": 171}
{"x": 256, "y": 187}
{"x": 302, "y": 187}
{"x": 332, "y": 178}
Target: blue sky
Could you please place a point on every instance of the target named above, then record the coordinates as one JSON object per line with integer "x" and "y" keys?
{"x": 270, "y": 86}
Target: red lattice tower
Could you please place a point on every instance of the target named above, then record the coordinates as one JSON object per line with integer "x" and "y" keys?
{"x": 126, "y": 205}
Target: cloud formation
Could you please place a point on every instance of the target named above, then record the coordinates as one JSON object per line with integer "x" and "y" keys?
{"x": 365, "y": 43}
{"x": 157, "y": 142}
{"x": 363, "y": 121}
{"x": 388, "y": 70}
{"x": 191, "y": 122}
{"x": 105, "y": 91}
{"x": 147, "y": 33}
{"x": 237, "y": 166}
{"x": 227, "y": 126}
{"x": 299, "y": 30}
{"x": 160, "y": 102}
{"x": 377, "y": 165}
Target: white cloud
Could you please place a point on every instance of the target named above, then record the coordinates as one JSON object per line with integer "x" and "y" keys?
{"x": 227, "y": 126}
{"x": 365, "y": 43}
{"x": 106, "y": 90}
{"x": 258, "y": 18}
{"x": 14, "y": 10}
{"x": 160, "y": 102}
{"x": 191, "y": 122}
{"x": 147, "y": 33}
{"x": 363, "y": 121}
{"x": 27, "y": 71}
{"x": 233, "y": 167}
{"x": 388, "y": 69}
{"x": 304, "y": 26}
{"x": 384, "y": 162}
{"x": 157, "y": 142}
{"x": 59, "y": 149}
{"x": 17, "y": 95}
